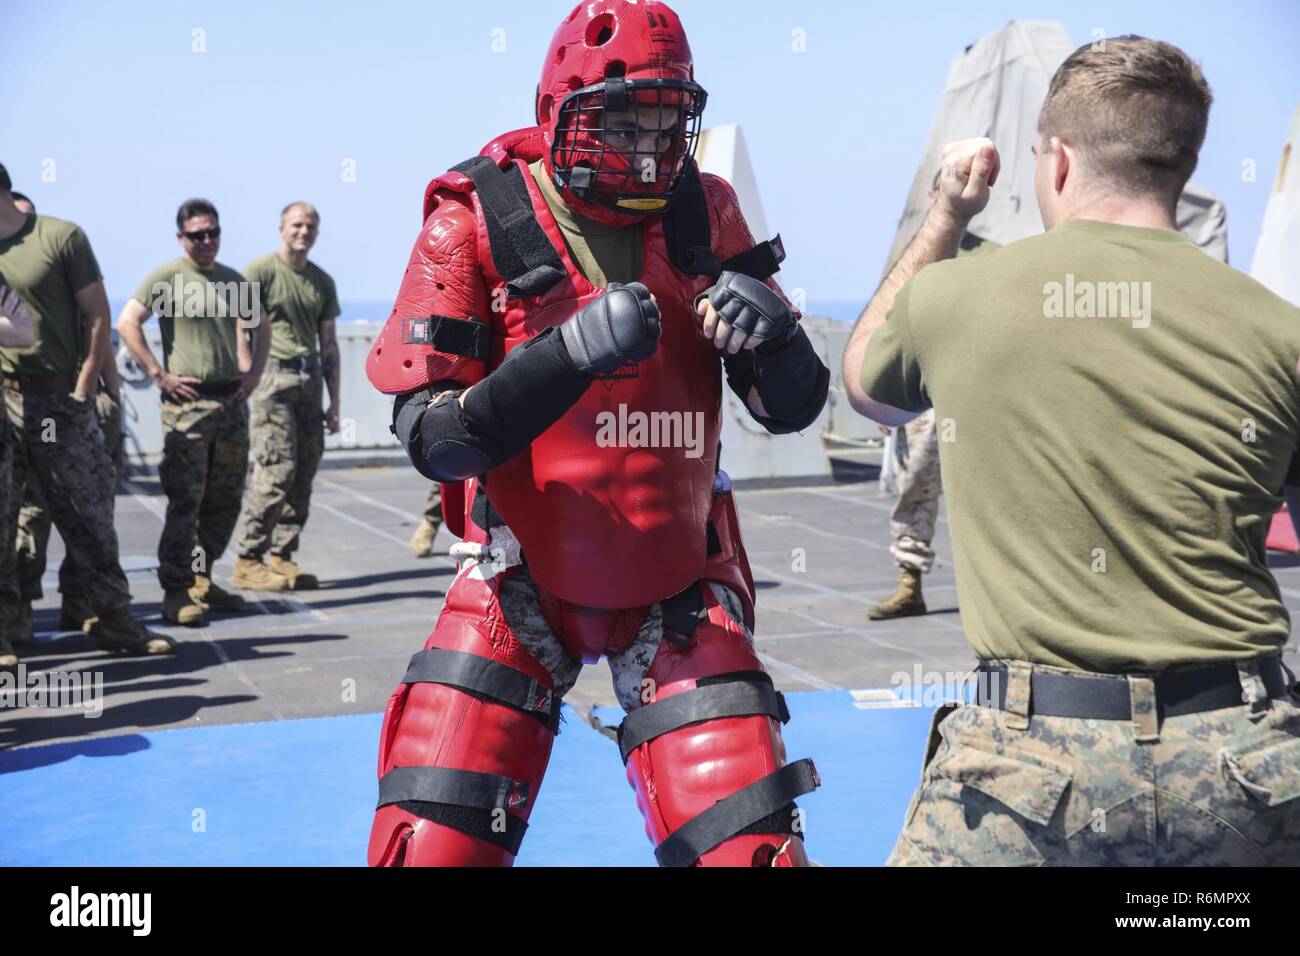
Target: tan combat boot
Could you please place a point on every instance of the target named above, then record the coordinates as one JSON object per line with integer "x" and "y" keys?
{"x": 906, "y": 600}
{"x": 299, "y": 580}
{"x": 75, "y": 613}
{"x": 118, "y": 631}
{"x": 252, "y": 575}
{"x": 422, "y": 540}
{"x": 212, "y": 595}
{"x": 179, "y": 608}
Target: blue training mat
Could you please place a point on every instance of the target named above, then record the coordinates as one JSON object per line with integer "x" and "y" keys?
{"x": 302, "y": 792}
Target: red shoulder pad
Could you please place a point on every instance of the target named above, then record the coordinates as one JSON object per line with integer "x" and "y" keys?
{"x": 526, "y": 144}
{"x": 730, "y": 232}
{"x": 449, "y": 182}
{"x": 442, "y": 279}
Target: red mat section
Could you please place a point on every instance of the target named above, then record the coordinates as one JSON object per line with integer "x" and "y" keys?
{"x": 1282, "y": 534}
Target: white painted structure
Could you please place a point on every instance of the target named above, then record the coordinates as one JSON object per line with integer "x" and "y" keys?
{"x": 1277, "y": 254}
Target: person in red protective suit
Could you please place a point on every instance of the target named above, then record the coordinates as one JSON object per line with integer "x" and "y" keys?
{"x": 555, "y": 353}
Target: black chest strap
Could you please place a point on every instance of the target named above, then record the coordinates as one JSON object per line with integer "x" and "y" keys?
{"x": 690, "y": 240}
{"x": 520, "y": 249}
{"x": 531, "y": 266}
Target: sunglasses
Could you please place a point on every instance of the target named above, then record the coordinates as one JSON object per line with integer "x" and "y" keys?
{"x": 202, "y": 235}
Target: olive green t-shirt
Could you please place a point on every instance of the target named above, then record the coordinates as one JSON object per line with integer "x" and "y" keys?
{"x": 296, "y": 301}
{"x": 602, "y": 253}
{"x": 47, "y": 262}
{"x": 1116, "y": 412}
{"x": 198, "y": 313}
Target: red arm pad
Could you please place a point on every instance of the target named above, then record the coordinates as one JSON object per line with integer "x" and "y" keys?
{"x": 442, "y": 279}
{"x": 731, "y": 235}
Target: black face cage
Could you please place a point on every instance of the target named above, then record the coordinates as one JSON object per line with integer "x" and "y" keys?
{"x": 624, "y": 179}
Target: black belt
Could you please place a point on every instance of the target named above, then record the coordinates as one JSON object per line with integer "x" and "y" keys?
{"x": 42, "y": 385}
{"x": 299, "y": 364}
{"x": 207, "y": 390}
{"x": 1180, "y": 692}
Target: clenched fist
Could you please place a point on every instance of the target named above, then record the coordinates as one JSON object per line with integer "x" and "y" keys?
{"x": 970, "y": 167}
{"x": 741, "y": 312}
{"x": 619, "y": 327}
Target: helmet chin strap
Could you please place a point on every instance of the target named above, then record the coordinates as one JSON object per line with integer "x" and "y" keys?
{"x": 596, "y": 212}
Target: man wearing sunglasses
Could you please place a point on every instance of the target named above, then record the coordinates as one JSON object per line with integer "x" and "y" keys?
{"x": 214, "y": 349}
{"x": 57, "y": 444}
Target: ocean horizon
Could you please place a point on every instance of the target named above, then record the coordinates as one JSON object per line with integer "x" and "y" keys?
{"x": 375, "y": 310}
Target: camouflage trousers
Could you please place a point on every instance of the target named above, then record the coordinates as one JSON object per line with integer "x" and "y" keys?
{"x": 33, "y": 535}
{"x": 522, "y": 609}
{"x": 917, "y": 509}
{"x": 61, "y": 462}
{"x": 205, "y": 459}
{"x": 288, "y": 431}
{"x": 433, "y": 507}
{"x": 1000, "y": 788}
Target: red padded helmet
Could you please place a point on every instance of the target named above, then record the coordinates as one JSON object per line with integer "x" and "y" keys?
{"x": 619, "y": 108}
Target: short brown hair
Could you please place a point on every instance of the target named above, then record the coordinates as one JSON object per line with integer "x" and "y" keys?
{"x": 306, "y": 207}
{"x": 1136, "y": 109}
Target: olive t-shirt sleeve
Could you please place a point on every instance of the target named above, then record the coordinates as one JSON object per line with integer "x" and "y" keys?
{"x": 331, "y": 309}
{"x": 79, "y": 263}
{"x": 145, "y": 294}
{"x": 891, "y": 369}
{"x": 258, "y": 271}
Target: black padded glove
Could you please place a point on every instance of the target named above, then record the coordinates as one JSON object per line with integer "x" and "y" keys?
{"x": 751, "y": 307}
{"x": 618, "y": 328}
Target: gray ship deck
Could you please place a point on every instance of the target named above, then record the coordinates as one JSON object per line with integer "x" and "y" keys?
{"x": 297, "y": 656}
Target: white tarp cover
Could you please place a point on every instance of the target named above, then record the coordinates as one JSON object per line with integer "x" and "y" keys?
{"x": 995, "y": 88}
{"x": 1277, "y": 255}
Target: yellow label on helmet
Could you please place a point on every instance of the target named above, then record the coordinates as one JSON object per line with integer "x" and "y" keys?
{"x": 642, "y": 204}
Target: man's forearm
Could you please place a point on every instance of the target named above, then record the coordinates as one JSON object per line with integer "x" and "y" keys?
{"x": 88, "y": 376}
{"x": 108, "y": 369}
{"x": 329, "y": 359}
{"x": 133, "y": 337}
{"x": 937, "y": 239}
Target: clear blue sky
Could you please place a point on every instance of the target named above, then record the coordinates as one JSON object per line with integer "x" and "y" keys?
{"x": 135, "y": 121}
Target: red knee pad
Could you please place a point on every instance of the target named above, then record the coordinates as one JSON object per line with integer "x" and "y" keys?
{"x": 705, "y": 755}
{"x": 465, "y": 741}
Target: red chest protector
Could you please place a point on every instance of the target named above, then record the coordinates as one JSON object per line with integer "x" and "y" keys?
{"x": 610, "y": 504}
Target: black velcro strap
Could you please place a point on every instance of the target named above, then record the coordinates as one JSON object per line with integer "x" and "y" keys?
{"x": 688, "y": 235}
{"x": 682, "y": 614}
{"x": 520, "y": 249}
{"x": 735, "y": 699}
{"x": 686, "y": 228}
{"x": 482, "y": 513}
{"x": 733, "y": 814}
{"x": 500, "y": 829}
{"x": 468, "y": 337}
{"x": 465, "y": 800}
{"x": 615, "y": 94}
{"x": 760, "y": 262}
{"x": 479, "y": 676}
{"x": 464, "y": 788}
